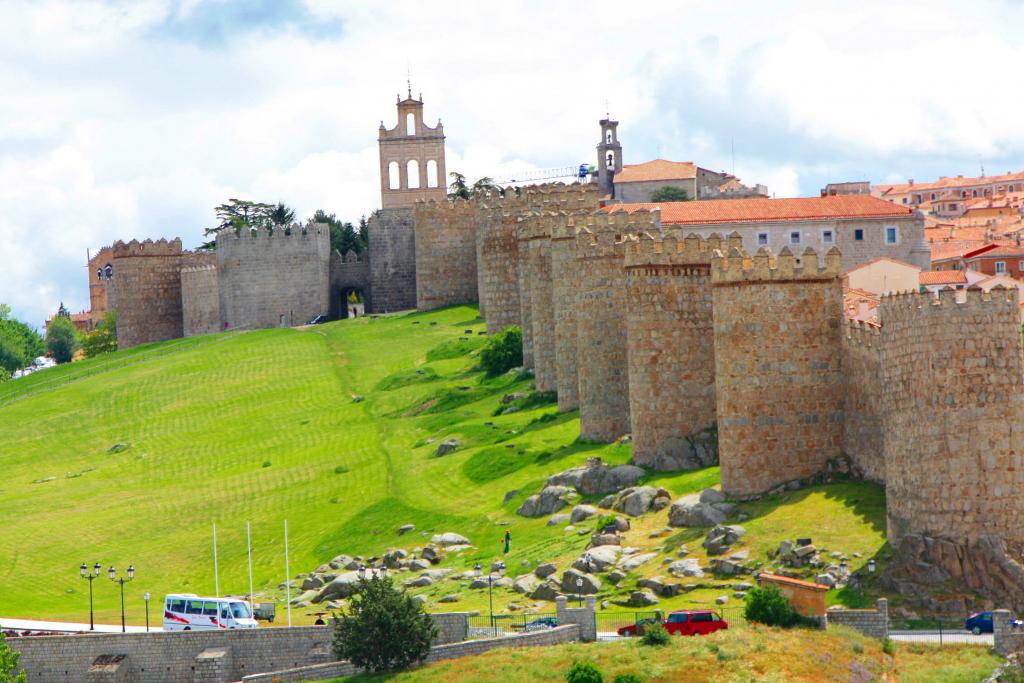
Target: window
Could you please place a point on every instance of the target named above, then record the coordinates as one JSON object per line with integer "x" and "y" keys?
{"x": 195, "y": 607}
{"x": 715, "y": 617}
{"x": 410, "y": 124}
{"x": 1020, "y": 265}
{"x": 963, "y": 194}
{"x": 1000, "y": 267}
{"x": 176, "y": 605}
{"x": 762, "y": 239}
{"x": 108, "y": 270}
{"x": 1011, "y": 188}
{"x": 904, "y": 200}
{"x": 210, "y": 608}
{"x": 858, "y": 235}
{"x": 608, "y": 136}
{"x": 890, "y": 235}
{"x": 827, "y": 237}
{"x": 412, "y": 174}
{"x": 677, "y": 618}
{"x": 240, "y": 610}
{"x": 933, "y": 196}
{"x": 705, "y": 616}
{"x": 394, "y": 177}
{"x": 611, "y": 160}
{"x": 974, "y": 193}
{"x": 99, "y": 273}
{"x": 432, "y": 173}
{"x": 794, "y": 237}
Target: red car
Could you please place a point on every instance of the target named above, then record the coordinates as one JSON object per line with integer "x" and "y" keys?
{"x": 694, "y": 623}
{"x": 638, "y": 627}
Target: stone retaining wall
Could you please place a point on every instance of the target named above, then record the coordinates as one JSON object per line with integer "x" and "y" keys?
{"x": 870, "y": 622}
{"x": 555, "y": 636}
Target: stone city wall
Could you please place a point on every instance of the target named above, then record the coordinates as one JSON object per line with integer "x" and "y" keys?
{"x": 564, "y": 288}
{"x": 147, "y": 291}
{"x": 862, "y": 408}
{"x": 349, "y": 271}
{"x": 172, "y": 657}
{"x": 392, "y": 255}
{"x": 200, "y": 294}
{"x": 535, "y": 240}
{"x": 953, "y": 420}
{"x": 601, "y": 322}
{"x": 671, "y": 352}
{"x": 446, "y": 271}
{"x": 100, "y": 296}
{"x": 779, "y": 380}
{"x": 275, "y": 278}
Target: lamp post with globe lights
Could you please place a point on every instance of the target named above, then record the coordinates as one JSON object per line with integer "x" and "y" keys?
{"x": 145, "y": 596}
{"x": 112, "y": 575}
{"x": 90, "y": 577}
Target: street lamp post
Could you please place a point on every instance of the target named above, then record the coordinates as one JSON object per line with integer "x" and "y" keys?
{"x": 84, "y": 572}
{"x": 497, "y": 566}
{"x": 112, "y": 575}
{"x": 145, "y": 596}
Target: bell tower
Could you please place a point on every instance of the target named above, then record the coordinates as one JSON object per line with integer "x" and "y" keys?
{"x": 411, "y": 158}
{"x": 609, "y": 156}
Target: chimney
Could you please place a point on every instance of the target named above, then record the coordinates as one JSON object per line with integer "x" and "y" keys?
{"x": 910, "y": 182}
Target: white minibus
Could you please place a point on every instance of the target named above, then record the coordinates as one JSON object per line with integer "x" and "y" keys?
{"x": 189, "y": 612}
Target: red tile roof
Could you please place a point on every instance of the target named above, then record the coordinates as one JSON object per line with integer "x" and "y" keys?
{"x": 942, "y": 277}
{"x": 996, "y": 251}
{"x": 659, "y": 169}
{"x": 760, "y": 209}
{"x": 775, "y": 578}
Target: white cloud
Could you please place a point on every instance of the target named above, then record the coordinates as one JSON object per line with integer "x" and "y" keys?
{"x": 115, "y": 127}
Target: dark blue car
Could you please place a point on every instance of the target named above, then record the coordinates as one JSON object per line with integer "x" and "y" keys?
{"x": 981, "y": 622}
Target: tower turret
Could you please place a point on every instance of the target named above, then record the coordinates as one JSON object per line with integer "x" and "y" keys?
{"x": 609, "y": 156}
{"x": 411, "y": 158}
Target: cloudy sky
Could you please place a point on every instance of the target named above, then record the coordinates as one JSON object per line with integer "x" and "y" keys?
{"x": 133, "y": 119}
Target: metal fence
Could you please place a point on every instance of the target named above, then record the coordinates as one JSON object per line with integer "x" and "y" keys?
{"x": 611, "y": 622}
{"x": 948, "y": 631}
{"x": 488, "y": 626}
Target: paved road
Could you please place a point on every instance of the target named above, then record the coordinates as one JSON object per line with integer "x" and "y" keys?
{"x": 67, "y": 626}
{"x": 965, "y": 637}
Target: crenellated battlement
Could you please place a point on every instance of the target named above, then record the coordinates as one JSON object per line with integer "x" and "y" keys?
{"x": 279, "y": 233}
{"x": 591, "y": 244}
{"x": 569, "y": 226}
{"x": 862, "y": 333}
{"x": 160, "y": 247}
{"x": 673, "y": 249}
{"x": 901, "y": 305}
{"x": 736, "y": 266}
{"x": 626, "y": 222}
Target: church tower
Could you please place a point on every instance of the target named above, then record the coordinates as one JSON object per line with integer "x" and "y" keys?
{"x": 411, "y": 158}
{"x": 609, "y": 156}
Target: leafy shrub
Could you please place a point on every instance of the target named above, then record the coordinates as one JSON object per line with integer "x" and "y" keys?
{"x": 584, "y": 672}
{"x": 340, "y": 469}
{"x": 767, "y": 605}
{"x": 502, "y": 352}
{"x": 9, "y": 670}
{"x": 61, "y": 339}
{"x": 627, "y": 678}
{"x": 383, "y": 628}
{"x": 103, "y": 339}
{"x": 266, "y": 463}
{"x": 888, "y": 646}
{"x": 655, "y": 635}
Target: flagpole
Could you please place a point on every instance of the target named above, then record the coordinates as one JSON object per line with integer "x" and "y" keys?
{"x": 248, "y": 543}
{"x": 216, "y": 571}
{"x": 287, "y": 574}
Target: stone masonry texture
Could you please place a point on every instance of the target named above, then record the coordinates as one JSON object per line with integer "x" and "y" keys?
{"x": 147, "y": 290}
{"x": 778, "y": 376}
{"x": 873, "y": 623}
{"x": 273, "y": 278}
{"x": 536, "y": 236}
{"x": 446, "y": 253}
{"x": 601, "y": 328}
{"x": 392, "y": 238}
{"x": 671, "y": 345}
{"x": 563, "y": 300}
{"x": 200, "y": 294}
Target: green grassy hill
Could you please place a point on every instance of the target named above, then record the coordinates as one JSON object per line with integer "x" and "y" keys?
{"x": 264, "y": 426}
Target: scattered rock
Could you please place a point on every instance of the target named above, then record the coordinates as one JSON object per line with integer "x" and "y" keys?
{"x": 356, "y": 398}
{"x": 712, "y": 496}
{"x": 545, "y": 570}
{"x": 451, "y": 597}
{"x": 635, "y": 561}
{"x": 642, "y": 598}
{"x": 721, "y": 537}
{"x": 721, "y": 599}
{"x": 826, "y": 580}
{"x": 594, "y": 477}
{"x": 682, "y": 551}
{"x": 447, "y": 446}
{"x": 437, "y": 574}
{"x": 406, "y": 528}
{"x": 341, "y": 587}
{"x": 312, "y": 583}
{"x": 525, "y": 584}
{"x": 510, "y": 495}
{"x": 432, "y": 554}
{"x": 635, "y": 501}
{"x": 119, "y": 448}
{"x": 449, "y": 538}
{"x": 588, "y": 584}
{"x": 550, "y": 500}
{"x": 418, "y": 565}
{"x": 688, "y": 511}
{"x": 726, "y": 567}
{"x": 654, "y": 583}
{"x": 582, "y": 512}
{"x": 343, "y": 562}
{"x": 805, "y": 551}
{"x": 616, "y": 575}
{"x": 605, "y": 539}
{"x": 687, "y": 567}
{"x": 742, "y": 586}
{"x": 606, "y": 502}
{"x": 548, "y": 590}
{"x": 598, "y": 559}
{"x": 419, "y": 582}
{"x": 555, "y": 520}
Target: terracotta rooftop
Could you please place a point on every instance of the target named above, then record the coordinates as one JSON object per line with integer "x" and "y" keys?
{"x": 882, "y": 259}
{"x": 760, "y": 209}
{"x": 942, "y": 277}
{"x": 942, "y": 251}
{"x": 998, "y": 251}
{"x": 659, "y": 169}
{"x": 775, "y": 578}
{"x": 948, "y": 182}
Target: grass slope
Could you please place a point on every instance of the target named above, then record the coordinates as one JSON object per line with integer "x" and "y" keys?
{"x": 263, "y": 426}
{"x": 748, "y": 653}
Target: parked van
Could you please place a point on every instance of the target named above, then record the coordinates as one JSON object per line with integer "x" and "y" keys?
{"x": 189, "y": 612}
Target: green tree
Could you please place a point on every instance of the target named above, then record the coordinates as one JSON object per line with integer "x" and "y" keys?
{"x": 383, "y": 628}
{"x": 584, "y": 672}
{"x": 61, "y": 339}
{"x": 667, "y": 193}
{"x": 364, "y": 233}
{"x": 486, "y": 186}
{"x": 343, "y": 235}
{"x": 103, "y": 339}
{"x": 12, "y": 355}
{"x": 282, "y": 215}
{"x": 458, "y": 189}
{"x": 503, "y": 352}
{"x": 767, "y": 605}
{"x": 18, "y": 341}
{"x": 10, "y": 672}
{"x": 237, "y": 214}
